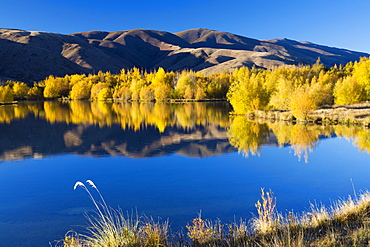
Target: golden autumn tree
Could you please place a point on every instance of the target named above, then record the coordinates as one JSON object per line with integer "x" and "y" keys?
{"x": 348, "y": 91}
{"x": 96, "y": 88}
{"x": 105, "y": 94}
{"x": 302, "y": 102}
{"x": 361, "y": 71}
{"x": 146, "y": 93}
{"x": 218, "y": 85}
{"x": 6, "y": 94}
{"x": 122, "y": 93}
{"x": 20, "y": 90}
{"x": 161, "y": 86}
{"x": 51, "y": 90}
{"x": 137, "y": 82}
{"x": 35, "y": 92}
{"x": 310, "y": 96}
{"x": 185, "y": 86}
{"x": 80, "y": 90}
{"x": 247, "y": 92}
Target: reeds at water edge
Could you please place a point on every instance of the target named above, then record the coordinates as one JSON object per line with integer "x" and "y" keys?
{"x": 345, "y": 223}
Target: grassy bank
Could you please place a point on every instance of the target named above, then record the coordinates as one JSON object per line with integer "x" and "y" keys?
{"x": 356, "y": 114}
{"x": 345, "y": 223}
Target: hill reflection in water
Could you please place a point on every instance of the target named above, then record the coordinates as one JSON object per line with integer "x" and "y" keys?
{"x": 42, "y": 129}
{"x": 99, "y": 128}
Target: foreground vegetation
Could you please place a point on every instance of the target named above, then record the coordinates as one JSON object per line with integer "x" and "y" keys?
{"x": 298, "y": 89}
{"x": 345, "y": 223}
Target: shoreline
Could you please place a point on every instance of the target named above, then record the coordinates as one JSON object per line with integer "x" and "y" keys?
{"x": 351, "y": 114}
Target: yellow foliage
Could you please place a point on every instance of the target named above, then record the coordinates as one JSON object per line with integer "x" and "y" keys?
{"x": 302, "y": 102}
{"x": 51, "y": 90}
{"x": 56, "y": 87}
{"x": 162, "y": 92}
{"x": 96, "y": 88}
{"x": 361, "y": 71}
{"x": 6, "y": 94}
{"x": 80, "y": 90}
{"x": 146, "y": 93}
{"x": 199, "y": 93}
{"x": 122, "y": 93}
{"x": 247, "y": 136}
{"x": 248, "y": 93}
{"x": 185, "y": 85}
{"x": 348, "y": 91}
{"x": 105, "y": 94}
{"x": 20, "y": 90}
{"x": 35, "y": 92}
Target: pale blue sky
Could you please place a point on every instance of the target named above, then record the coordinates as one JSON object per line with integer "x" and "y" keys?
{"x": 339, "y": 23}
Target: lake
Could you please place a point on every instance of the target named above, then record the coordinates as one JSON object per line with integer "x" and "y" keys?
{"x": 171, "y": 161}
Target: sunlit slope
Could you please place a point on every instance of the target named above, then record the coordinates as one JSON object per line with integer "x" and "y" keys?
{"x": 30, "y": 56}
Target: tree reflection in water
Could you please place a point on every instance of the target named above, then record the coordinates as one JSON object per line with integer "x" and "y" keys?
{"x": 101, "y": 128}
{"x": 248, "y": 136}
{"x": 149, "y": 129}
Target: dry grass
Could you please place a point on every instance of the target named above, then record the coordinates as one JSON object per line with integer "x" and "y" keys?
{"x": 268, "y": 218}
{"x": 356, "y": 114}
{"x": 345, "y": 223}
{"x": 109, "y": 227}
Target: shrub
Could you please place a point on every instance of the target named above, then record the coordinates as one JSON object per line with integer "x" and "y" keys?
{"x": 348, "y": 91}
{"x": 6, "y": 94}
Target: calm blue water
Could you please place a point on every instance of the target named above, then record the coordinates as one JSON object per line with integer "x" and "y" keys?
{"x": 186, "y": 175}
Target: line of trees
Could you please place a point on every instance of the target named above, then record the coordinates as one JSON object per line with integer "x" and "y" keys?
{"x": 132, "y": 85}
{"x": 299, "y": 89}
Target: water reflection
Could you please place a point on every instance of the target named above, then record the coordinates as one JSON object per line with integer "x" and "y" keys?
{"x": 128, "y": 115}
{"x": 248, "y": 136}
{"x": 152, "y": 129}
{"x": 100, "y": 128}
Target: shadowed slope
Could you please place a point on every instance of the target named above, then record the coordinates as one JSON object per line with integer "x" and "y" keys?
{"x": 31, "y": 56}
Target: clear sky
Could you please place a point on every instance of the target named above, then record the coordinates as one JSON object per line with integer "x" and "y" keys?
{"x": 339, "y": 23}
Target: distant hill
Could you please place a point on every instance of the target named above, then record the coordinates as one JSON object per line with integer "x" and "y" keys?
{"x": 31, "y": 56}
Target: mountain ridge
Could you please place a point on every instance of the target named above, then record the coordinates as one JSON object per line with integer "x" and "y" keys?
{"x": 33, "y": 55}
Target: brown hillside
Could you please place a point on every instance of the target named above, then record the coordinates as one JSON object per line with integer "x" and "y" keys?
{"x": 31, "y": 56}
